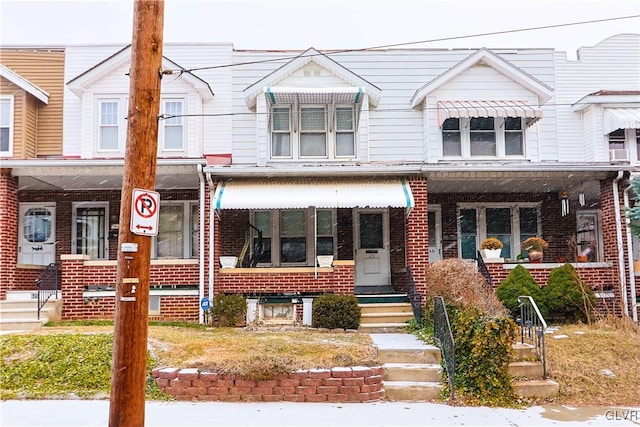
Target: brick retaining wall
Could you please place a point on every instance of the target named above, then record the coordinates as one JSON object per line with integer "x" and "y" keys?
{"x": 349, "y": 384}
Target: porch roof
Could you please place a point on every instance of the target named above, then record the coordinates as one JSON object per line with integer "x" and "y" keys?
{"x": 298, "y": 194}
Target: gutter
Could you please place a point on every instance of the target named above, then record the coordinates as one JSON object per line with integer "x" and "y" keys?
{"x": 632, "y": 277}
{"x": 201, "y": 244}
{"x": 621, "y": 267}
{"x": 212, "y": 214}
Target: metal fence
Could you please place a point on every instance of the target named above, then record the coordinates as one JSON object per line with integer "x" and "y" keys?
{"x": 48, "y": 284}
{"x": 444, "y": 337}
{"x": 482, "y": 268}
{"x": 414, "y": 297}
{"x": 533, "y": 328}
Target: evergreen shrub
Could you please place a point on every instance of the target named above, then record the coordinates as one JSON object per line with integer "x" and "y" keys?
{"x": 567, "y": 297}
{"x": 520, "y": 282}
{"x": 336, "y": 312}
{"x": 228, "y": 310}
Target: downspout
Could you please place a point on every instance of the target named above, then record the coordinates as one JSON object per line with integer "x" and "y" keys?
{"x": 201, "y": 245}
{"x": 621, "y": 269}
{"x": 212, "y": 215}
{"x": 632, "y": 277}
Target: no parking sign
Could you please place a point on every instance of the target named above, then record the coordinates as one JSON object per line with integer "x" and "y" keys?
{"x": 145, "y": 206}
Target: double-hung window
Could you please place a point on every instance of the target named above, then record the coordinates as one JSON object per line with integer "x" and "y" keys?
{"x": 172, "y": 126}
{"x": 509, "y": 224}
{"x": 109, "y": 125}
{"x": 6, "y": 126}
{"x": 624, "y": 144}
{"x": 483, "y": 137}
{"x": 178, "y": 234}
{"x": 292, "y": 236}
{"x": 312, "y": 132}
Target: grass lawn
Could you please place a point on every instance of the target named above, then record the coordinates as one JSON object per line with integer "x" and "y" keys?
{"x": 70, "y": 358}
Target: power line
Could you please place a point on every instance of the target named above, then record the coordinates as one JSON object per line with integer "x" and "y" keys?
{"x": 335, "y": 52}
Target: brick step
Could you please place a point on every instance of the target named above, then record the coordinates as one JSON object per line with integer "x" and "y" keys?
{"x": 412, "y": 391}
{"x": 422, "y": 372}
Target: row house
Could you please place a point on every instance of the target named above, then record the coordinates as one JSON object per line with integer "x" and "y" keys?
{"x": 316, "y": 171}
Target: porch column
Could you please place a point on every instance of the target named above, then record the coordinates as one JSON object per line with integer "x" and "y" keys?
{"x": 418, "y": 234}
{"x": 8, "y": 230}
{"x": 307, "y": 311}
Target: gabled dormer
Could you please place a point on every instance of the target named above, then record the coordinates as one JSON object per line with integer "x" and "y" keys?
{"x": 480, "y": 109}
{"x": 312, "y": 109}
{"x": 101, "y": 100}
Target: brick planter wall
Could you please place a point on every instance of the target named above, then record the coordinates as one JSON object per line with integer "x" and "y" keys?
{"x": 352, "y": 384}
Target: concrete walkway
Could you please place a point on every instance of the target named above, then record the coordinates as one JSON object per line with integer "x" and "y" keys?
{"x": 72, "y": 413}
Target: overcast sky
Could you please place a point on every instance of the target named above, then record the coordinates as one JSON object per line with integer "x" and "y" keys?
{"x": 327, "y": 24}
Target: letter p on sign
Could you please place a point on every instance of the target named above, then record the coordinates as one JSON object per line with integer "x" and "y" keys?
{"x": 145, "y": 206}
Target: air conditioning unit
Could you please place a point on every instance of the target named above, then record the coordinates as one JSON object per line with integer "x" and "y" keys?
{"x": 619, "y": 155}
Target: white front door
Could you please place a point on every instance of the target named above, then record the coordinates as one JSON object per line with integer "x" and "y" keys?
{"x": 435, "y": 235}
{"x": 372, "y": 248}
{"x": 37, "y": 233}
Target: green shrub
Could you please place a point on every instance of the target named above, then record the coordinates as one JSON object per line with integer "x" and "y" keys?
{"x": 567, "y": 296}
{"x": 336, "y": 312}
{"x": 228, "y": 310}
{"x": 483, "y": 354}
{"x": 520, "y": 282}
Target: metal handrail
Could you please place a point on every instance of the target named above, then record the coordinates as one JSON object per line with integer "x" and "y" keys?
{"x": 48, "y": 284}
{"x": 482, "y": 268}
{"x": 444, "y": 338}
{"x": 414, "y": 297}
{"x": 533, "y": 328}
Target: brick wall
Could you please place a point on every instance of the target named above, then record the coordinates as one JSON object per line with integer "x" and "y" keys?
{"x": 8, "y": 231}
{"x": 417, "y": 242}
{"x": 349, "y": 384}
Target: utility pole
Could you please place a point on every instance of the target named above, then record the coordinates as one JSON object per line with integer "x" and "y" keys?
{"x": 128, "y": 374}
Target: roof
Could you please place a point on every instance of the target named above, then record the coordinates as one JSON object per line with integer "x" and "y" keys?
{"x": 24, "y": 84}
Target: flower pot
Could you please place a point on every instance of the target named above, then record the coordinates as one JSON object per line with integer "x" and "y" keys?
{"x": 325, "y": 260}
{"x": 490, "y": 253}
{"x": 535, "y": 256}
{"x": 582, "y": 258}
{"x": 228, "y": 261}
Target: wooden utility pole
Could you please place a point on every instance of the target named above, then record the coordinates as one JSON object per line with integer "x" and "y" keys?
{"x": 128, "y": 374}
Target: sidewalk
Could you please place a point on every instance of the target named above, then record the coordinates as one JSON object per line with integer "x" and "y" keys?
{"x": 72, "y": 413}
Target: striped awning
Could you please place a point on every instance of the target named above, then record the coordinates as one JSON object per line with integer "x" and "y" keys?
{"x": 621, "y": 118}
{"x": 300, "y": 194}
{"x": 460, "y": 109}
{"x": 314, "y": 95}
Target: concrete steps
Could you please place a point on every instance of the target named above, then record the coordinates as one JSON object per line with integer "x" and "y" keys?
{"x": 384, "y": 316}
{"x": 19, "y": 312}
{"x": 411, "y": 369}
{"x": 527, "y": 372}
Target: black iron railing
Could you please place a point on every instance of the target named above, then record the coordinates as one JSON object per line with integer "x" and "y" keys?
{"x": 444, "y": 337}
{"x": 482, "y": 268}
{"x": 48, "y": 284}
{"x": 414, "y": 297}
{"x": 532, "y": 329}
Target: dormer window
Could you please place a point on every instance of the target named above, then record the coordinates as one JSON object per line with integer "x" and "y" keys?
{"x": 110, "y": 125}
{"x": 171, "y": 129}
{"x": 6, "y": 125}
{"x": 483, "y": 137}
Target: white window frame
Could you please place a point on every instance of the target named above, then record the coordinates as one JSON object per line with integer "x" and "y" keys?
{"x": 169, "y": 122}
{"x": 630, "y": 141}
{"x": 11, "y": 125}
{"x": 122, "y": 103}
{"x": 74, "y": 225}
{"x": 499, "y": 130}
{"x": 330, "y": 131}
{"x": 189, "y": 225}
{"x": 481, "y": 222}
{"x": 310, "y": 234}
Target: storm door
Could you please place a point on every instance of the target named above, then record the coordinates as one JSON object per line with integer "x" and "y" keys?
{"x": 372, "y": 248}
{"x": 37, "y": 233}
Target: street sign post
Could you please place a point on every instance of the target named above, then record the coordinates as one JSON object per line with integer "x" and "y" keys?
{"x": 145, "y": 212}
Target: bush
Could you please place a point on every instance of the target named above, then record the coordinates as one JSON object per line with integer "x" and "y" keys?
{"x": 567, "y": 296}
{"x": 460, "y": 284}
{"x": 520, "y": 282}
{"x": 336, "y": 312}
{"x": 483, "y": 354}
{"x": 228, "y": 310}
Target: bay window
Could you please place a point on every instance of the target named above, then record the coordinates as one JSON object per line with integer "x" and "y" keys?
{"x": 483, "y": 137}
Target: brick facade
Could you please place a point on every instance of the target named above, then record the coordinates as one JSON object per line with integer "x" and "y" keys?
{"x": 340, "y": 385}
{"x": 8, "y": 231}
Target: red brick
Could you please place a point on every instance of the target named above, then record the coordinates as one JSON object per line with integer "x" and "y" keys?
{"x": 353, "y": 381}
{"x": 299, "y": 375}
{"x": 341, "y": 373}
{"x": 337, "y": 398}
{"x": 272, "y": 398}
{"x": 188, "y": 374}
{"x": 262, "y": 390}
{"x": 162, "y": 382}
{"x": 371, "y": 388}
{"x": 361, "y": 371}
{"x": 319, "y": 373}
{"x": 332, "y": 381}
{"x": 168, "y": 373}
{"x": 315, "y": 398}
{"x": 293, "y": 398}
{"x": 245, "y": 383}
{"x": 309, "y": 382}
{"x": 251, "y": 398}
{"x": 229, "y": 398}
{"x": 377, "y": 370}
{"x": 194, "y": 391}
{"x": 267, "y": 383}
{"x": 287, "y": 382}
{"x": 351, "y": 389}
{"x": 217, "y": 391}
{"x": 284, "y": 390}
{"x": 240, "y": 390}
{"x": 377, "y": 379}
{"x": 327, "y": 389}
{"x": 305, "y": 390}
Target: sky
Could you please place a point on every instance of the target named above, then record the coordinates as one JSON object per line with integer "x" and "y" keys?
{"x": 325, "y": 25}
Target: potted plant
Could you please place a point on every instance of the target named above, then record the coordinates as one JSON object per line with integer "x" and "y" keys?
{"x": 491, "y": 248}
{"x": 534, "y": 246}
